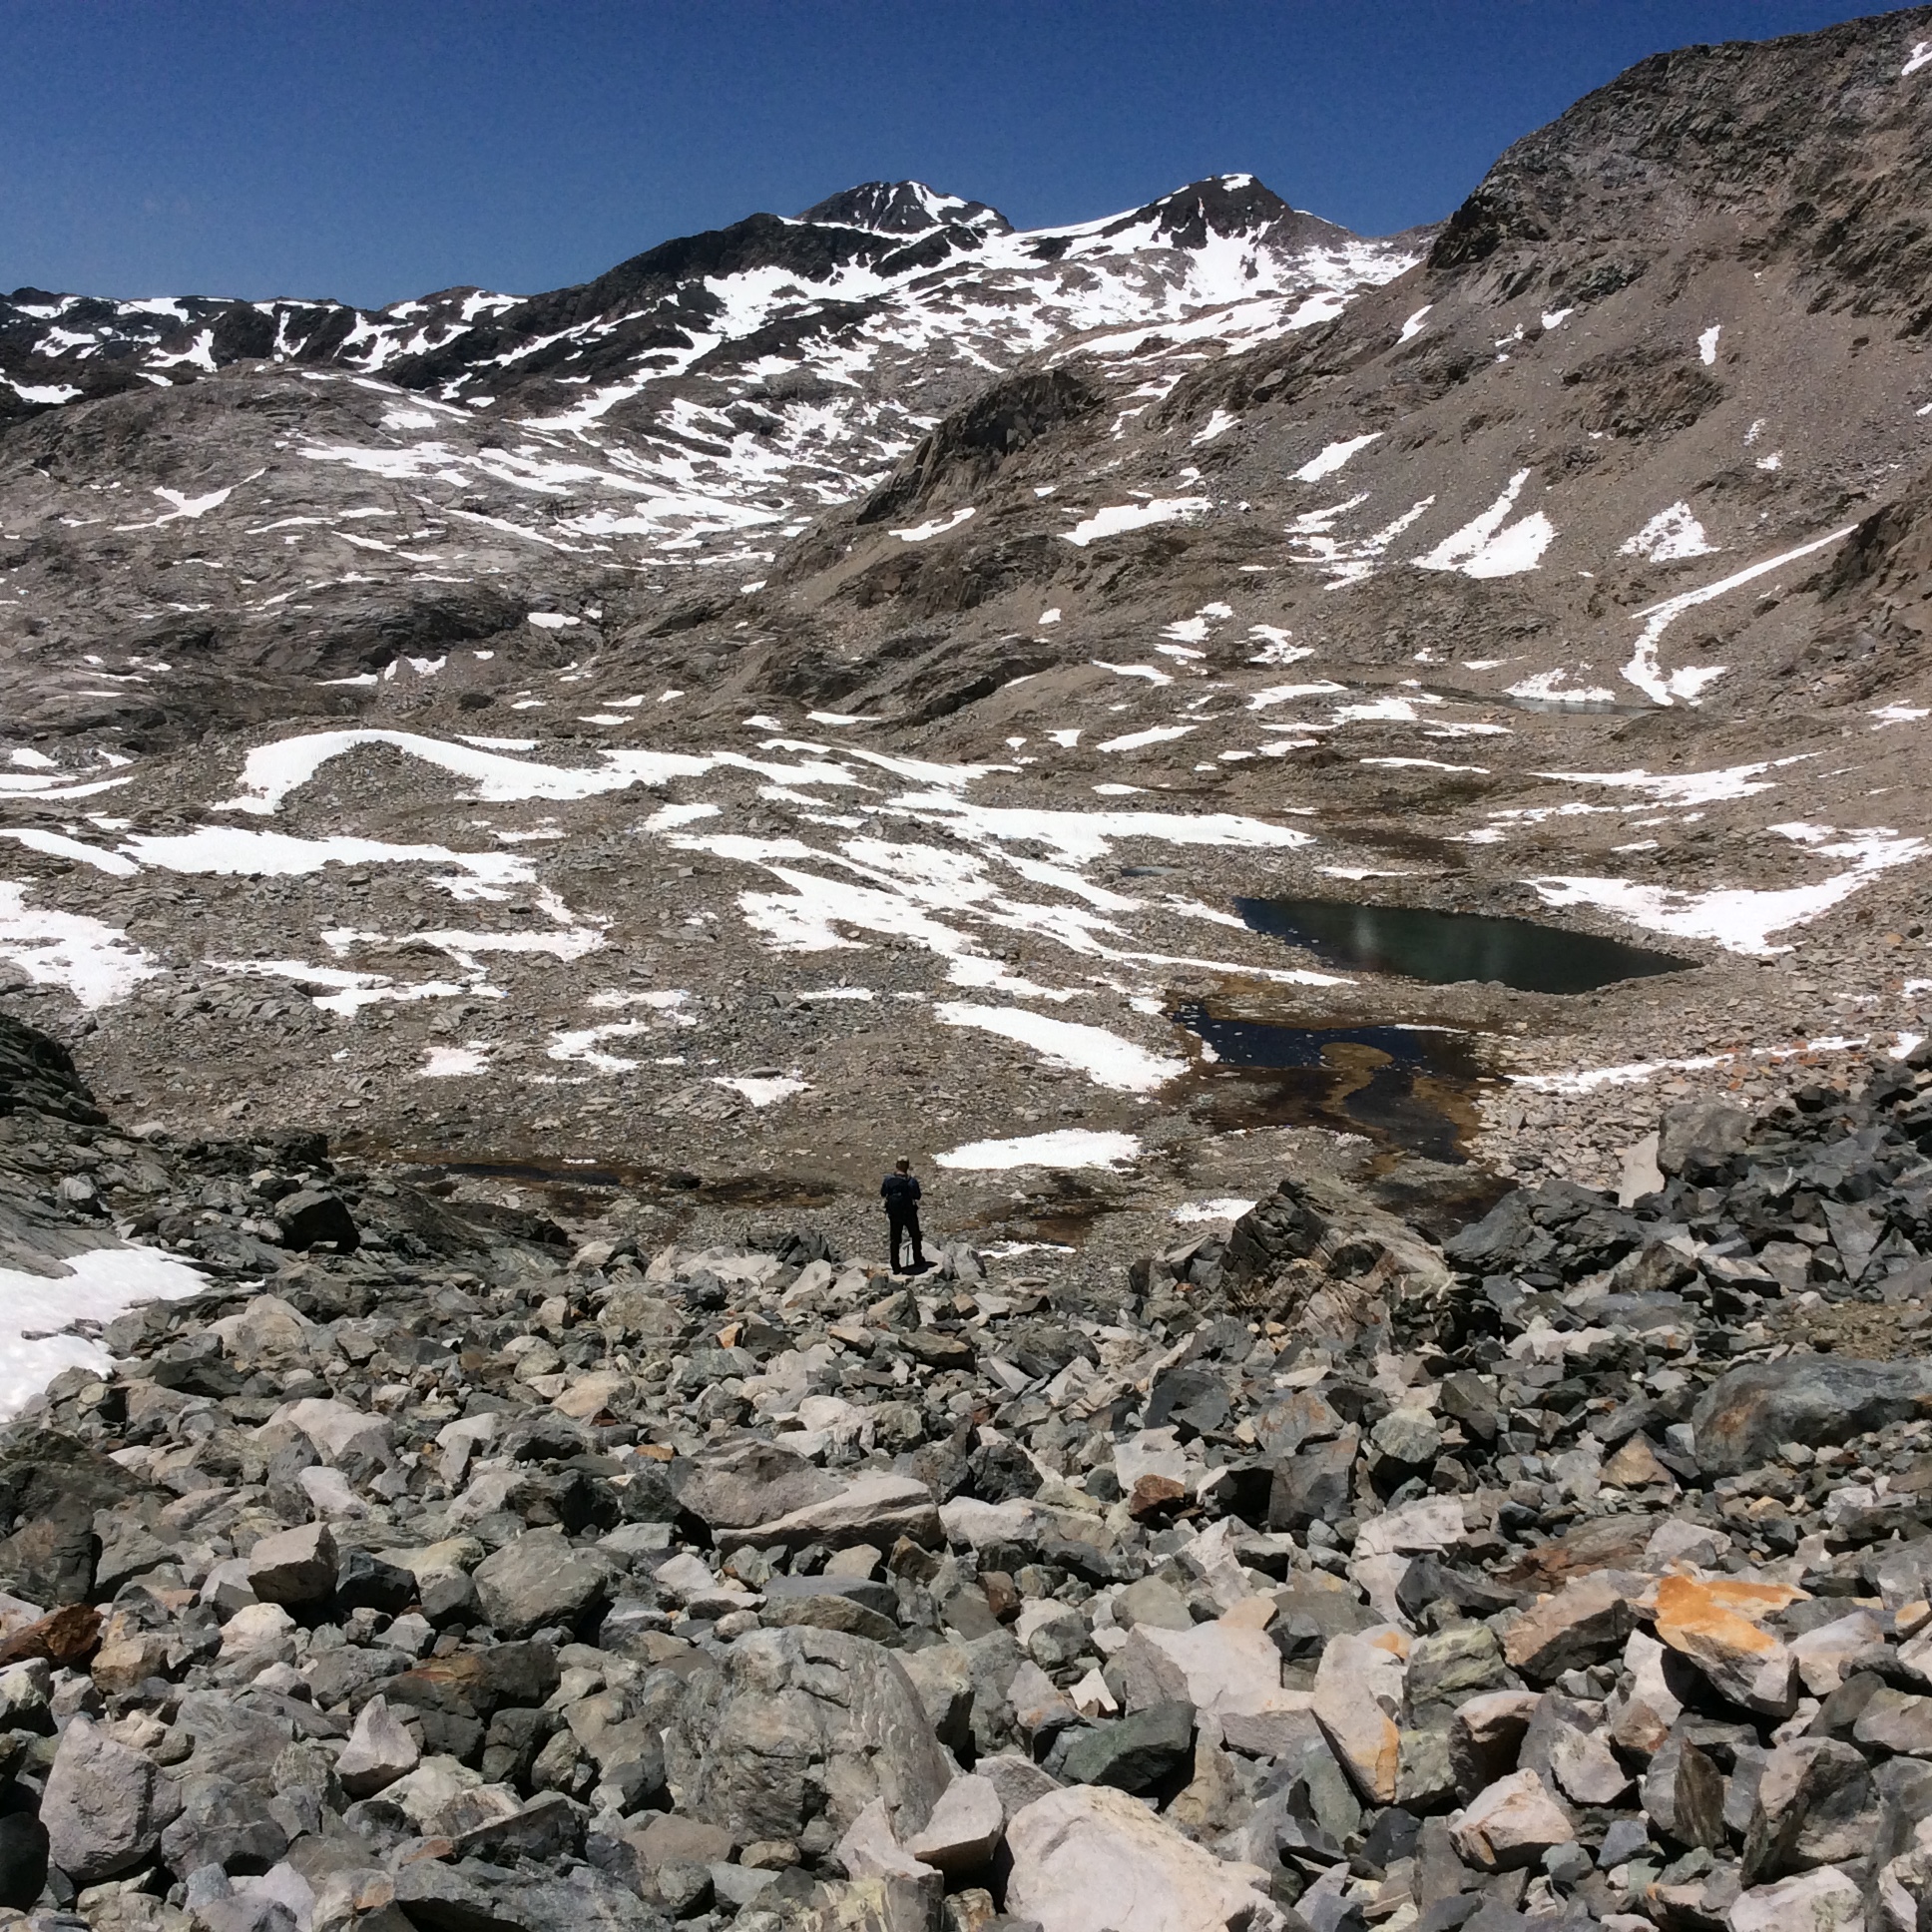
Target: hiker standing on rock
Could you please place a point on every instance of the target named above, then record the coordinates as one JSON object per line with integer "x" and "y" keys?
{"x": 900, "y": 1192}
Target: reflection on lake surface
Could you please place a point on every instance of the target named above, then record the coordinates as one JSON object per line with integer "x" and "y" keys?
{"x": 1443, "y": 946}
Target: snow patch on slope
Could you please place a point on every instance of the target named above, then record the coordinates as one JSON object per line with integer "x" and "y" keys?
{"x": 1740, "y": 919}
{"x": 1118, "y": 518}
{"x": 1333, "y": 457}
{"x": 1103, "y": 1057}
{"x": 1483, "y": 547}
{"x": 93, "y": 961}
{"x": 1642, "y": 670}
{"x": 1670, "y": 535}
{"x": 98, "y": 1285}
{"x": 1063, "y": 1148}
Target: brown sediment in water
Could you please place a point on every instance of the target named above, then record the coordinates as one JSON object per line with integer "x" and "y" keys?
{"x": 1409, "y": 1087}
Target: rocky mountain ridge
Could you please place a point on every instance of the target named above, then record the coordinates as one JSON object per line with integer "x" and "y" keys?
{"x": 345, "y": 488}
{"x": 644, "y": 316}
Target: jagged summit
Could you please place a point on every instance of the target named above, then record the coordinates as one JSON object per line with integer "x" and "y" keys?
{"x": 1229, "y": 204}
{"x": 704, "y": 304}
{"x": 904, "y": 208}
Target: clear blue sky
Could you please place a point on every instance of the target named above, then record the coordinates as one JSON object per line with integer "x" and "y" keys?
{"x": 376, "y": 149}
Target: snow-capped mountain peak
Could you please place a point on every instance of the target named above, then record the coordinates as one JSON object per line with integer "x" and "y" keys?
{"x": 720, "y": 387}
{"x": 1225, "y": 204}
{"x": 904, "y": 208}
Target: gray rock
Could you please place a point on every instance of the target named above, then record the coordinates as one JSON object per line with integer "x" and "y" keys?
{"x": 1139, "y": 1753}
{"x": 242, "y": 1912}
{"x": 1817, "y": 1901}
{"x": 874, "y": 1509}
{"x": 877, "y": 1597}
{"x": 1425, "y": 1774}
{"x": 539, "y": 1580}
{"x": 1586, "y": 1768}
{"x": 993, "y": 1660}
{"x": 753, "y": 1485}
{"x": 344, "y": 1675}
{"x": 942, "y": 1674}
{"x": 549, "y": 1827}
{"x": 380, "y": 1750}
{"x": 1090, "y": 1857}
{"x": 1683, "y": 1795}
{"x": 1814, "y": 1807}
{"x": 1311, "y": 1486}
{"x": 739, "y": 1885}
{"x": 293, "y": 1566}
{"x": 223, "y": 1823}
{"x": 1152, "y": 1601}
{"x": 671, "y": 1839}
{"x": 1640, "y": 1172}
{"x": 1703, "y": 1129}
{"x": 1623, "y": 1840}
{"x": 1452, "y": 1664}
{"x": 1582, "y": 1622}
{"x": 1511, "y": 1823}
{"x": 1815, "y": 1399}
{"x": 1270, "y": 1733}
{"x": 105, "y": 1805}
{"x": 1486, "y": 1736}
{"x": 312, "y": 1217}
{"x": 965, "y": 1827}
{"x": 829, "y": 1610}
{"x": 1895, "y": 1720}
{"x": 794, "y": 1723}
{"x": 869, "y": 1850}
{"x": 1410, "y": 1437}
{"x": 1016, "y": 1781}
{"x": 341, "y": 1434}
{"x": 683, "y": 1888}
{"x": 23, "y": 1860}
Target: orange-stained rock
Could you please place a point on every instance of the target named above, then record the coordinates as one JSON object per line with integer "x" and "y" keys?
{"x": 1358, "y": 1686}
{"x": 1635, "y": 1466}
{"x": 126, "y": 1663}
{"x": 1156, "y": 1495}
{"x": 1605, "y": 1542}
{"x": 1748, "y": 1664}
{"x": 65, "y": 1638}
{"x": 1252, "y": 1612}
{"x": 1756, "y": 1601}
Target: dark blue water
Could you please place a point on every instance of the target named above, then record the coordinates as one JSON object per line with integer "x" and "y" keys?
{"x": 1253, "y": 1043}
{"x": 1411, "y": 1085}
{"x": 1442, "y": 947}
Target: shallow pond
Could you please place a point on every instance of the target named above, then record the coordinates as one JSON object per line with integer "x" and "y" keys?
{"x": 1441, "y": 947}
{"x": 1413, "y": 1087}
